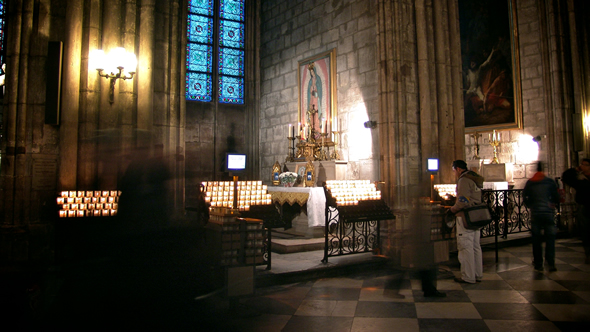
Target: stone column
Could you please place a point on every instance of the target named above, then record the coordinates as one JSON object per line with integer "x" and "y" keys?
{"x": 176, "y": 103}
{"x": 145, "y": 82}
{"x": 17, "y": 29}
{"x": 425, "y": 105}
{"x": 68, "y": 130}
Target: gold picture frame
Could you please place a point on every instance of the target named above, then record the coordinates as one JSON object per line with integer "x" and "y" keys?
{"x": 309, "y": 179}
{"x": 276, "y": 171}
{"x": 300, "y": 170}
{"x": 492, "y": 97}
{"x": 317, "y": 92}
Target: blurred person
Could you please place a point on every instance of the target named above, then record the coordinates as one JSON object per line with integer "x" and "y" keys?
{"x": 417, "y": 249}
{"x": 541, "y": 197}
{"x": 579, "y": 179}
{"x": 469, "y": 185}
{"x": 144, "y": 189}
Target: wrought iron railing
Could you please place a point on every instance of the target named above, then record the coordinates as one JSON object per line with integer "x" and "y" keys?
{"x": 353, "y": 229}
{"x": 513, "y": 216}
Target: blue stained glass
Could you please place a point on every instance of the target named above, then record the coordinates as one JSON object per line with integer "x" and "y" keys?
{"x": 231, "y": 90}
{"x": 199, "y": 87}
{"x": 199, "y": 57}
{"x": 2, "y": 22}
{"x": 200, "y": 29}
{"x": 203, "y": 7}
{"x": 231, "y": 62}
{"x": 232, "y": 10}
{"x": 231, "y": 34}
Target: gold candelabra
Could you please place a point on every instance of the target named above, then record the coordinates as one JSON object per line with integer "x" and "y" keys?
{"x": 495, "y": 143}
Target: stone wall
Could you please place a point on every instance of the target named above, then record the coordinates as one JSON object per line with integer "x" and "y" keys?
{"x": 296, "y": 30}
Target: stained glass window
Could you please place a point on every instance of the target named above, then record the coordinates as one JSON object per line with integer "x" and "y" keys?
{"x": 232, "y": 10}
{"x": 231, "y": 89}
{"x": 215, "y": 51}
{"x": 231, "y": 62}
{"x": 2, "y": 24}
{"x": 231, "y": 34}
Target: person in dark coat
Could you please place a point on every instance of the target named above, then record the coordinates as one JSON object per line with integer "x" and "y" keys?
{"x": 541, "y": 197}
{"x": 579, "y": 179}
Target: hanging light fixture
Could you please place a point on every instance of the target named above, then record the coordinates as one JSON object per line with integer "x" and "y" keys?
{"x": 117, "y": 64}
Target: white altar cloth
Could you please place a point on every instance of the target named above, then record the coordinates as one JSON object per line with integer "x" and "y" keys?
{"x": 316, "y": 203}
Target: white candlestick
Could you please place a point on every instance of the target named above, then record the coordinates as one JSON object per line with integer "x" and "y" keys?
{"x": 290, "y": 132}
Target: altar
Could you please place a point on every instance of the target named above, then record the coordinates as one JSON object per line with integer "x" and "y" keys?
{"x": 314, "y": 200}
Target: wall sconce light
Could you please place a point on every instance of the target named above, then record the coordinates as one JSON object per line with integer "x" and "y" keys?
{"x": 370, "y": 124}
{"x": 117, "y": 64}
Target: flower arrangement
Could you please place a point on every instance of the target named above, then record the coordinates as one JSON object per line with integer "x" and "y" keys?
{"x": 288, "y": 179}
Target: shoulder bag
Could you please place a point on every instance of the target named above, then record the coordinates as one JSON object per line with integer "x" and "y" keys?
{"x": 477, "y": 216}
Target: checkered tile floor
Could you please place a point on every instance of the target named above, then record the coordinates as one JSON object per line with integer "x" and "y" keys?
{"x": 511, "y": 297}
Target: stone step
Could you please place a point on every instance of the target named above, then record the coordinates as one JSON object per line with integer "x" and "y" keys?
{"x": 287, "y": 246}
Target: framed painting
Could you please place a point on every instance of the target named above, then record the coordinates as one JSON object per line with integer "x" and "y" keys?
{"x": 491, "y": 65}
{"x": 317, "y": 94}
{"x": 300, "y": 170}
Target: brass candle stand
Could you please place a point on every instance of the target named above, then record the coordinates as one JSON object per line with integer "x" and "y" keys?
{"x": 476, "y": 137}
{"x": 335, "y": 155}
{"x": 322, "y": 152}
{"x": 290, "y": 149}
{"x": 495, "y": 142}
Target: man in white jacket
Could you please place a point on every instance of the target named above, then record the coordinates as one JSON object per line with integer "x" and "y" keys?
{"x": 469, "y": 185}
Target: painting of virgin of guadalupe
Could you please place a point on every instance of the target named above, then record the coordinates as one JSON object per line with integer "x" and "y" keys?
{"x": 316, "y": 92}
{"x": 489, "y": 52}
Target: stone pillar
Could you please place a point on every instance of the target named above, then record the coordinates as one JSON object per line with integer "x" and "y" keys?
{"x": 176, "y": 103}
{"x": 68, "y": 130}
{"x": 425, "y": 104}
{"x": 443, "y": 87}
{"x": 127, "y": 97}
{"x": 18, "y": 29}
{"x": 145, "y": 81}
{"x": 90, "y": 97}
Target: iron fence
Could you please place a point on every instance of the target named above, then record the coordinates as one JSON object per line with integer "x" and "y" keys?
{"x": 513, "y": 216}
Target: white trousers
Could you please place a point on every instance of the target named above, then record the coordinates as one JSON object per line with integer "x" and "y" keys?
{"x": 469, "y": 253}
